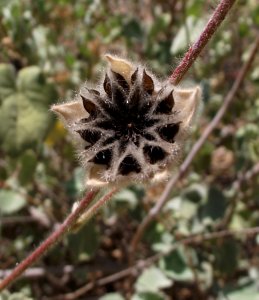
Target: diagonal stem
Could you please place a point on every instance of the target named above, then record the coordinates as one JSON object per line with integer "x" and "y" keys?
{"x": 56, "y": 236}
{"x": 142, "y": 264}
{"x": 91, "y": 211}
{"x": 193, "y": 52}
{"x": 195, "y": 149}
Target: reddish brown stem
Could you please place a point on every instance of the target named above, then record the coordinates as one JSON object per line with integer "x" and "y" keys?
{"x": 195, "y": 149}
{"x": 193, "y": 52}
{"x": 140, "y": 265}
{"x": 93, "y": 209}
{"x": 50, "y": 241}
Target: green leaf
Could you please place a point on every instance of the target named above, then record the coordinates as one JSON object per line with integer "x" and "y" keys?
{"x": 11, "y": 202}
{"x": 226, "y": 255}
{"x": 160, "y": 23}
{"x": 6, "y": 295}
{"x": 132, "y": 29}
{"x": 22, "y": 126}
{"x": 194, "y": 27}
{"x": 127, "y": 196}
{"x": 32, "y": 83}
{"x": 112, "y": 296}
{"x": 83, "y": 244}
{"x": 28, "y": 163}
{"x": 7, "y": 81}
{"x": 188, "y": 210}
{"x": 215, "y": 206}
{"x": 164, "y": 243}
{"x": 245, "y": 290}
{"x": 148, "y": 296}
{"x": 203, "y": 158}
{"x": 154, "y": 233}
{"x": 196, "y": 193}
{"x": 24, "y": 116}
{"x": 238, "y": 222}
{"x": 75, "y": 185}
{"x": 152, "y": 280}
{"x": 195, "y": 7}
{"x": 247, "y": 132}
{"x": 175, "y": 267}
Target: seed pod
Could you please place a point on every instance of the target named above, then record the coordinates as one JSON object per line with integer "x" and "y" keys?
{"x": 130, "y": 128}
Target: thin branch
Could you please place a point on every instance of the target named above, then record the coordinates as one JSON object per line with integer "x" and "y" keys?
{"x": 194, "y": 239}
{"x": 142, "y": 264}
{"x": 197, "y": 146}
{"x": 216, "y": 19}
{"x": 236, "y": 186}
{"x": 38, "y": 272}
{"x": 50, "y": 241}
{"x": 17, "y": 220}
{"x": 34, "y": 217}
{"x": 246, "y": 177}
{"x": 61, "y": 270}
{"x": 93, "y": 210}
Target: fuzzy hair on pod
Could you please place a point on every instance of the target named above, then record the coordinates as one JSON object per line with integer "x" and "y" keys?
{"x": 131, "y": 127}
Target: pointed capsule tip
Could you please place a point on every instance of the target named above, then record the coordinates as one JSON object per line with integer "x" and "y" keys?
{"x": 120, "y": 66}
{"x": 56, "y": 108}
{"x": 109, "y": 57}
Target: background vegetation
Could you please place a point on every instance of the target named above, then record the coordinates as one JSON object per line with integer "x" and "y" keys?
{"x": 47, "y": 49}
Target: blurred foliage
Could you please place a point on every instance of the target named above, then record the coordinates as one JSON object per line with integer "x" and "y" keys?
{"x": 48, "y": 48}
{"x": 28, "y": 95}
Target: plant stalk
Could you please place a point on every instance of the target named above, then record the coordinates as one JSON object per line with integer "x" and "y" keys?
{"x": 50, "y": 241}
{"x": 193, "y": 52}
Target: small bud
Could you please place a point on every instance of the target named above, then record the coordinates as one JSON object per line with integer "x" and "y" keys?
{"x": 132, "y": 127}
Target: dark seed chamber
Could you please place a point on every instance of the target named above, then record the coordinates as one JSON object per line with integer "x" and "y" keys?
{"x": 127, "y": 114}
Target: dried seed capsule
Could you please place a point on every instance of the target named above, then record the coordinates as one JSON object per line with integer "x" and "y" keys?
{"x": 131, "y": 127}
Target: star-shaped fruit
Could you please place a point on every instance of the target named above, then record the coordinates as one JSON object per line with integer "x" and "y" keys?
{"x": 131, "y": 127}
